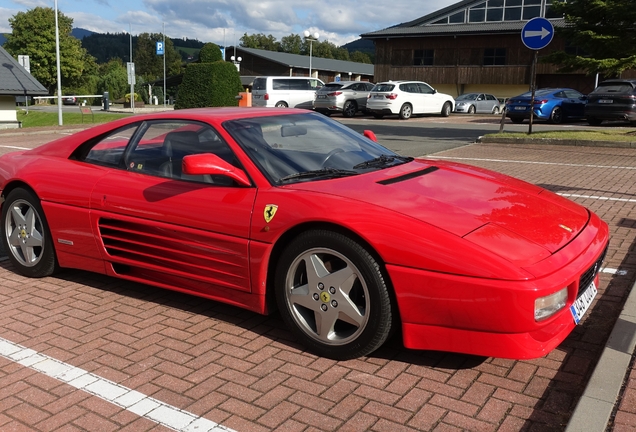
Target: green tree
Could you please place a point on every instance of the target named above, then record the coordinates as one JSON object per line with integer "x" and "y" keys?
{"x": 342, "y": 54}
{"x": 113, "y": 78}
{"x": 360, "y": 57}
{"x": 148, "y": 64}
{"x": 291, "y": 44}
{"x": 600, "y": 36}
{"x": 210, "y": 52}
{"x": 33, "y": 34}
{"x": 260, "y": 41}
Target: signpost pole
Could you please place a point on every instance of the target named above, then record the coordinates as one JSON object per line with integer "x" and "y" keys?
{"x": 533, "y": 88}
{"x": 535, "y": 35}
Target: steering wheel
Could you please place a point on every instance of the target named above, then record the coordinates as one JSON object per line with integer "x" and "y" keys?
{"x": 329, "y": 155}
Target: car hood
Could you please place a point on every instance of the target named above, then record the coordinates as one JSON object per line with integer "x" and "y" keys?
{"x": 520, "y": 222}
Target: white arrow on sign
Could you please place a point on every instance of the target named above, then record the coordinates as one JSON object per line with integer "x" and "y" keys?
{"x": 544, "y": 33}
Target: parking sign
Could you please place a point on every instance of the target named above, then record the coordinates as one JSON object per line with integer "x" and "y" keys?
{"x": 159, "y": 48}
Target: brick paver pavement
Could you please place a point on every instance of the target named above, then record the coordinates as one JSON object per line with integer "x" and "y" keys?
{"x": 246, "y": 372}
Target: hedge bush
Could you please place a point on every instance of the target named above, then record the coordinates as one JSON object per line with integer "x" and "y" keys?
{"x": 209, "y": 85}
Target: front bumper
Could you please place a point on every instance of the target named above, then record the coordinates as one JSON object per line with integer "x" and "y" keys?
{"x": 495, "y": 318}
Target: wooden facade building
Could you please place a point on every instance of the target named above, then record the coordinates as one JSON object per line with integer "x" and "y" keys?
{"x": 473, "y": 45}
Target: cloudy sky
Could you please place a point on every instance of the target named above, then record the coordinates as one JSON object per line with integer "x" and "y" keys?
{"x": 227, "y": 20}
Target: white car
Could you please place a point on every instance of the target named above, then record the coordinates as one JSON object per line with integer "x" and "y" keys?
{"x": 406, "y": 98}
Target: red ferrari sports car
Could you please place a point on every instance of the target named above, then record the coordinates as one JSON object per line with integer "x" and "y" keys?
{"x": 287, "y": 209}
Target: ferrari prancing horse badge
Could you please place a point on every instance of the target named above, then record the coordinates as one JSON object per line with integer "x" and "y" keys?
{"x": 270, "y": 212}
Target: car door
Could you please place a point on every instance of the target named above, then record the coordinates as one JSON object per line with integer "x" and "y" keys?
{"x": 430, "y": 101}
{"x": 157, "y": 224}
{"x": 573, "y": 104}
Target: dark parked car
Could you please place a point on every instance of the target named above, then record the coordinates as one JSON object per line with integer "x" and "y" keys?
{"x": 612, "y": 100}
{"x": 552, "y": 104}
{"x": 69, "y": 100}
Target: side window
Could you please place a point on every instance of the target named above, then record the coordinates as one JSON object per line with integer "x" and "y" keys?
{"x": 314, "y": 84}
{"x": 425, "y": 88}
{"x": 491, "y": 97}
{"x": 163, "y": 145}
{"x": 280, "y": 84}
{"x": 560, "y": 95}
{"x": 108, "y": 150}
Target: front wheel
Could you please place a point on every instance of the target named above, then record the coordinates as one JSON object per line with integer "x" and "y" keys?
{"x": 26, "y": 236}
{"x": 332, "y": 293}
{"x": 471, "y": 109}
{"x": 446, "y": 109}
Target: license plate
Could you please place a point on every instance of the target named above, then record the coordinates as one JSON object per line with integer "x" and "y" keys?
{"x": 378, "y": 96}
{"x": 608, "y": 101}
{"x": 583, "y": 302}
{"x": 321, "y": 97}
{"x": 256, "y": 96}
{"x": 520, "y": 108}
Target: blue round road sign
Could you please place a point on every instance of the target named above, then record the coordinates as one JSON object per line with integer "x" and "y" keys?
{"x": 537, "y": 33}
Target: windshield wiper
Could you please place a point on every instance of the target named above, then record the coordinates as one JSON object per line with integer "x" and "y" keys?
{"x": 383, "y": 160}
{"x": 323, "y": 172}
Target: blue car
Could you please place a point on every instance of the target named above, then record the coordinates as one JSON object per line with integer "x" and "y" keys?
{"x": 551, "y": 104}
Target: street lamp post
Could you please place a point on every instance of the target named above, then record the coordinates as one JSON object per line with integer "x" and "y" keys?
{"x": 237, "y": 62}
{"x": 311, "y": 38}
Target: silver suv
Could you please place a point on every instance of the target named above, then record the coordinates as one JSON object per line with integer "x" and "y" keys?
{"x": 347, "y": 97}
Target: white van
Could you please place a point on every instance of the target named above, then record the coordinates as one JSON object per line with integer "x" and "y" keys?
{"x": 285, "y": 91}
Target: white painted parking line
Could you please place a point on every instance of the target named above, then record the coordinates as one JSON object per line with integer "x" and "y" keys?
{"x": 533, "y": 162}
{"x": 15, "y": 147}
{"x": 614, "y": 271}
{"x": 131, "y": 400}
{"x": 596, "y": 197}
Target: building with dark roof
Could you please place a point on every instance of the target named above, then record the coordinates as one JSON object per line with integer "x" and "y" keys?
{"x": 473, "y": 45}
{"x": 257, "y": 62}
{"x": 14, "y": 81}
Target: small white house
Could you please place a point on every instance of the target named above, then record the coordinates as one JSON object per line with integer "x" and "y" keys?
{"x": 14, "y": 81}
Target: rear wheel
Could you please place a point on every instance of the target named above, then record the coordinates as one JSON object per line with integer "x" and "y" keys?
{"x": 332, "y": 293}
{"x": 446, "y": 109}
{"x": 281, "y": 104}
{"x": 406, "y": 111}
{"x": 495, "y": 110}
{"x": 26, "y": 236}
{"x": 350, "y": 108}
{"x": 556, "y": 116}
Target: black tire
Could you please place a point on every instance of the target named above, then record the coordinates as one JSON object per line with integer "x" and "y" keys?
{"x": 517, "y": 120}
{"x": 593, "y": 121}
{"x": 471, "y": 109}
{"x": 556, "y": 116}
{"x": 350, "y": 108}
{"x": 378, "y": 115}
{"x": 26, "y": 236}
{"x": 281, "y": 104}
{"x": 406, "y": 111}
{"x": 446, "y": 109}
{"x": 495, "y": 110}
{"x": 347, "y": 291}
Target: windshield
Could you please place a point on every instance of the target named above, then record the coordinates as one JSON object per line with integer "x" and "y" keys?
{"x": 285, "y": 145}
{"x": 467, "y": 96}
{"x": 617, "y": 87}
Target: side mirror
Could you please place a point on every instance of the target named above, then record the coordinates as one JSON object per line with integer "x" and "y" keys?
{"x": 208, "y": 163}
{"x": 369, "y": 134}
